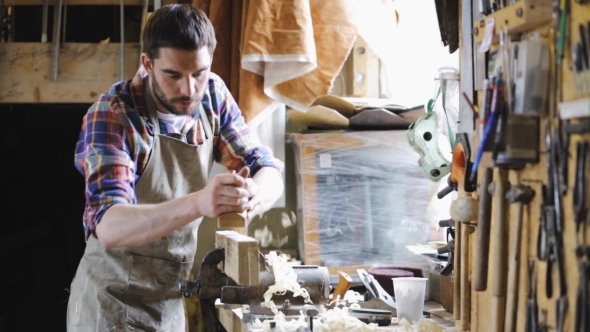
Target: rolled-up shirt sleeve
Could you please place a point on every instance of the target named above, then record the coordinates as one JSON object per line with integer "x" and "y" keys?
{"x": 104, "y": 159}
{"x": 237, "y": 145}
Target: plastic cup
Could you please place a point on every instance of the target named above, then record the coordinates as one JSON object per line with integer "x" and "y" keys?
{"x": 409, "y": 297}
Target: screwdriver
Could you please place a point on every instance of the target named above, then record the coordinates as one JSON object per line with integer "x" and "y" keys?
{"x": 583, "y": 47}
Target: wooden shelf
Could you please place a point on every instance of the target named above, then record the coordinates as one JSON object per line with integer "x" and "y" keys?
{"x": 523, "y": 16}
{"x": 85, "y": 71}
{"x": 82, "y": 2}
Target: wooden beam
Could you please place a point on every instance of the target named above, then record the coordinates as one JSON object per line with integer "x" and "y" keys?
{"x": 85, "y": 71}
{"x": 82, "y": 2}
{"x": 242, "y": 258}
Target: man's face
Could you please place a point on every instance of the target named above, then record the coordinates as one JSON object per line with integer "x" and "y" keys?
{"x": 178, "y": 79}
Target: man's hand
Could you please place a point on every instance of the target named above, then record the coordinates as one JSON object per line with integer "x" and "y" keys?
{"x": 227, "y": 193}
{"x": 266, "y": 187}
{"x": 254, "y": 201}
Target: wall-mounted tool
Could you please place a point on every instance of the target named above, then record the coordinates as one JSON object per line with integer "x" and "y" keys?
{"x": 579, "y": 199}
{"x": 524, "y": 102}
{"x": 581, "y": 60}
{"x": 520, "y": 196}
{"x": 499, "y": 250}
{"x": 480, "y": 278}
{"x": 531, "y": 71}
{"x": 450, "y": 248}
{"x": 491, "y": 122}
{"x": 464, "y": 210}
{"x": 532, "y": 310}
{"x": 577, "y": 128}
{"x": 554, "y": 227}
{"x": 461, "y": 168}
{"x": 519, "y": 141}
{"x": 582, "y": 316}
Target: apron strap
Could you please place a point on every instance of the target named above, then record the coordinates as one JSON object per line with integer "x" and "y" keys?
{"x": 151, "y": 106}
{"x": 205, "y": 119}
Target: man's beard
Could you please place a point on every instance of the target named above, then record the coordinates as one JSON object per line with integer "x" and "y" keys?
{"x": 168, "y": 104}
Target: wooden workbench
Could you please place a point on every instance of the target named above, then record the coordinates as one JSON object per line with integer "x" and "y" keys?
{"x": 231, "y": 319}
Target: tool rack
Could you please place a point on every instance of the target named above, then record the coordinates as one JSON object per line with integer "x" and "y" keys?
{"x": 487, "y": 309}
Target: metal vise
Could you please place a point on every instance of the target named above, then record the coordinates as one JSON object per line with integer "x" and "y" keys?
{"x": 212, "y": 283}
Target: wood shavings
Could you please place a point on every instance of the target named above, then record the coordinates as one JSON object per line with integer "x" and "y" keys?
{"x": 332, "y": 320}
{"x": 424, "y": 325}
{"x": 285, "y": 280}
{"x": 281, "y": 324}
{"x": 338, "y": 319}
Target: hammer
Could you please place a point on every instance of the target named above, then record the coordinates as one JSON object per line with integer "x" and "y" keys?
{"x": 498, "y": 251}
{"x": 463, "y": 210}
{"x": 480, "y": 281}
{"x": 518, "y": 195}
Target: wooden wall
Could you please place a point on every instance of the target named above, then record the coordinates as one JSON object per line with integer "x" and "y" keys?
{"x": 484, "y": 306}
{"x": 85, "y": 71}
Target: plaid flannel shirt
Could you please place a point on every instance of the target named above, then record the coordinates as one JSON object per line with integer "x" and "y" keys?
{"x": 117, "y": 136}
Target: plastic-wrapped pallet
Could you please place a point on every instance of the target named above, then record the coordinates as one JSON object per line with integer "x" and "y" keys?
{"x": 361, "y": 199}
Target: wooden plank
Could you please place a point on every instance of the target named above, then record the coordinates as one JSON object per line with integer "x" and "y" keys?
{"x": 85, "y": 71}
{"x": 242, "y": 259}
{"x": 81, "y": 2}
{"x": 231, "y": 319}
{"x": 521, "y": 17}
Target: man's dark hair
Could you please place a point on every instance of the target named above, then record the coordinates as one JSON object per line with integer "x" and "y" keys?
{"x": 179, "y": 26}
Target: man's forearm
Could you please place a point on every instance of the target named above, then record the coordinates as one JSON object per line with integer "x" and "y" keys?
{"x": 138, "y": 224}
{"x": 270, "y": 184}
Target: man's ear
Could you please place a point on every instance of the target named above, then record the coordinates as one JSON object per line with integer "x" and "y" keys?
{"x": 147, "y": 63}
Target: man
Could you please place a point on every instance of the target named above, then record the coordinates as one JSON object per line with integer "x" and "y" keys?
{"x": 146, "y": 150}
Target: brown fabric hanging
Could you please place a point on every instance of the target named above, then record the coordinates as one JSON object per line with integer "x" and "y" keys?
{"x": 291, "y": 51}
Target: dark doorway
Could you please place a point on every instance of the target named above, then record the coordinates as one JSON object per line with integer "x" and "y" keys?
{"x": 41, "y": 234}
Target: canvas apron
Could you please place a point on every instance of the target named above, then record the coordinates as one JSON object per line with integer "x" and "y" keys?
{"x": 136, "y": 289}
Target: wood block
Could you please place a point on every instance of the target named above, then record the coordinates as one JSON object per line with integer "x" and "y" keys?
{"x": 242, "y": 258}
{"x": 232, "y": 220}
